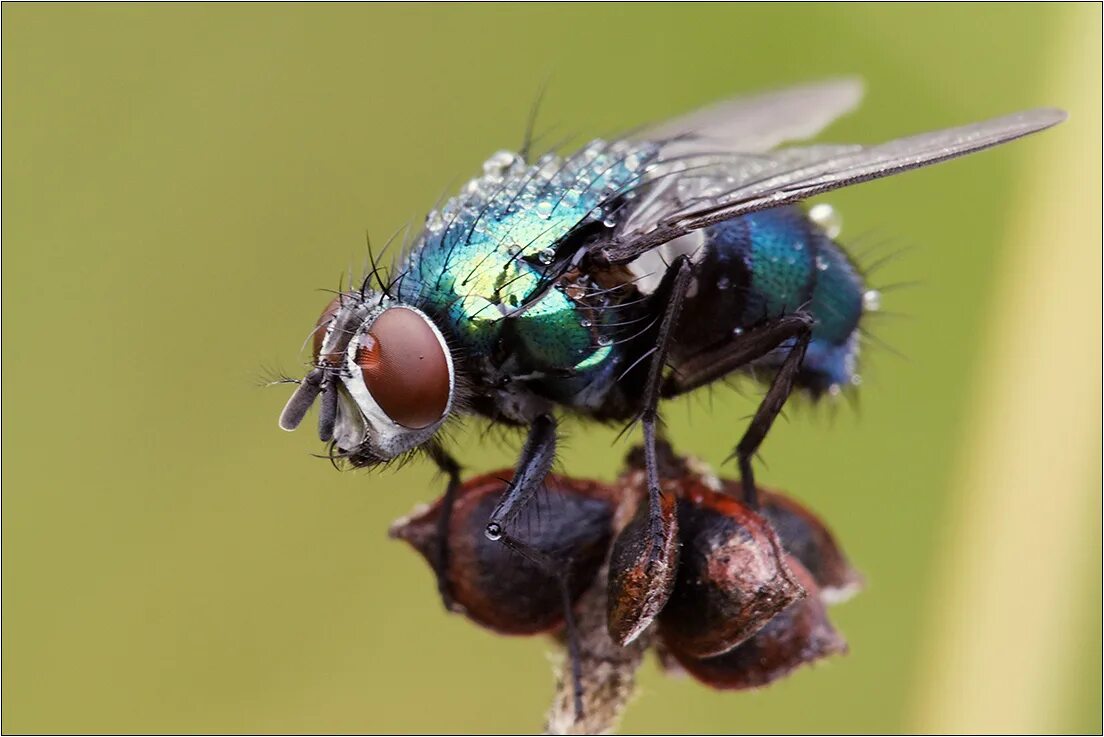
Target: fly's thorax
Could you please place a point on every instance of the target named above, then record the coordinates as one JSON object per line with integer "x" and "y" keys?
{"x": 482, "y": 258}
{"x": 386, "y": 376}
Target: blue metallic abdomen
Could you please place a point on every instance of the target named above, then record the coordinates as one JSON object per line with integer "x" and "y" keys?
{"x": 771, "y": 263}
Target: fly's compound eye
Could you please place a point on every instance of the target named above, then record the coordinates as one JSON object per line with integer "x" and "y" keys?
{"x": 405, "y": 368}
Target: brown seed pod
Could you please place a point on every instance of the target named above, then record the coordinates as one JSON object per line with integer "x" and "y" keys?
{"x": 497, "y": 588}
{"x": 806, "y": 538}
{"x": 800, "y": 634}
{"x": 642, "y": 566}
{"x": 732, "y": 578}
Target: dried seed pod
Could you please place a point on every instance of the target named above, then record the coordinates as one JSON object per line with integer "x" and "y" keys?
{"x": 642, "y": 566}
{"x": 732, "y": 578}
{"x": 498, "y": 588}
{"x": 806, "y": 538}
{"x": 800, "y": 634}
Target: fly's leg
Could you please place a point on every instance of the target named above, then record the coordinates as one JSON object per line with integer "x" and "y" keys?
{"x": 765, "y": 415}
{"x": 754, "y": 344}
{"x": 708, "y": 366}
{"x": 448, "y": 466}
{"x": 533, "y": 466}
{"x": 557, "y": 569}
{"x": 676, "y": 282}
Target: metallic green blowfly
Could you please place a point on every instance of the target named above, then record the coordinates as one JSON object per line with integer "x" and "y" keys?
{"x": 599, "y": 283}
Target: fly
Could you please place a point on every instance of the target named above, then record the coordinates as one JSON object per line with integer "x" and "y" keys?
{"x": 600, "y": 283}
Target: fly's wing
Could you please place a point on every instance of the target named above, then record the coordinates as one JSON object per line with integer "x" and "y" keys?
{"x": 744, "y": 126}
{"x": 696, "y": 192}
{"x": 758, "y": 123}
{"x": 530, "y": 211}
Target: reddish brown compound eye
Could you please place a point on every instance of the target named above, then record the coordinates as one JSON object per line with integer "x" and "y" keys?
{"x": 321, "y": 326}
{"x": 405, "y": 368}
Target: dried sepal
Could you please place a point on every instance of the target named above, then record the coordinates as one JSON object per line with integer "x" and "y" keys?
{"x": 799, "y": 635}
{"x": 732, "y": 578}
{"x": 642, "y": 569}
{"x": 494, "y": 586}
{"x": 807, "y": 538}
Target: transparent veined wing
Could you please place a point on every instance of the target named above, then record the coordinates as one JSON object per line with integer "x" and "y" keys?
{"x": 711, "y": 188}
{"x": 757, "y": 123}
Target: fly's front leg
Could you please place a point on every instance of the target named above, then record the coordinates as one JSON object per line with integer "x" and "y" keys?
{"x": 533, "y": 466}
{"x": 558, "y": 570}
{"x": 754, "y": 344}
{"x": 448, "y": 466}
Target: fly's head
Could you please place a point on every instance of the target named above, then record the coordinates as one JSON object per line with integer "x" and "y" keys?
{"x": 385, "y": 377}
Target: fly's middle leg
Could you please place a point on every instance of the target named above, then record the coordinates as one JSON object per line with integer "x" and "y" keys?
{"x": 675, "y": 284}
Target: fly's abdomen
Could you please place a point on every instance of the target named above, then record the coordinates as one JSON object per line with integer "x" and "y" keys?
{"x": 780, "y": 251}
{"x": 837, "y": 305}
{"x": 771, "y": 263}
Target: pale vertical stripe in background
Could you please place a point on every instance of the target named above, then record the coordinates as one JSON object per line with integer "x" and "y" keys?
{"x": 1013, "y": 581}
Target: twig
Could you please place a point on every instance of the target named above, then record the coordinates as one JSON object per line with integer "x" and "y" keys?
{"x": 609, "y": 671}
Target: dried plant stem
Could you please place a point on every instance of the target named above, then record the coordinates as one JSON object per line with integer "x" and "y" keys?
{"x": 609, "y": 671}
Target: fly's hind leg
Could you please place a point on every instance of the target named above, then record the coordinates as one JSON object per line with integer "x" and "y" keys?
{"x": 754, "y": 344}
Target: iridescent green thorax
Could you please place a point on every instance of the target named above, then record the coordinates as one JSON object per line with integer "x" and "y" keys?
{"x": 483, "y": 254}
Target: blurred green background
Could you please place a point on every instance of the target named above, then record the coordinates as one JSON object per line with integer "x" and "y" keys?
{"x": 180, "y": 180}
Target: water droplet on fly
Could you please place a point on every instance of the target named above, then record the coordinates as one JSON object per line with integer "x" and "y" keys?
{"x": 737, "y": 331}
{"x": 514, "y": 250}
{"x": 856, "y": 379}
{"x": 585, "y": 323}
{"x": 834, "y": 389}
{"x": 546, "y": 256}
{"x": 499, "y": 162}
{"x": 723, "y": 283}
{"x": 827, "y": 218}
{"x": 872, "y": 300}
{"x": 604, "y": 340}
{"x": 544, "y": 209}
{"x": 434, "y": 222}
{"x": 609, "y": 222}
{"x": 821, "y": 263}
